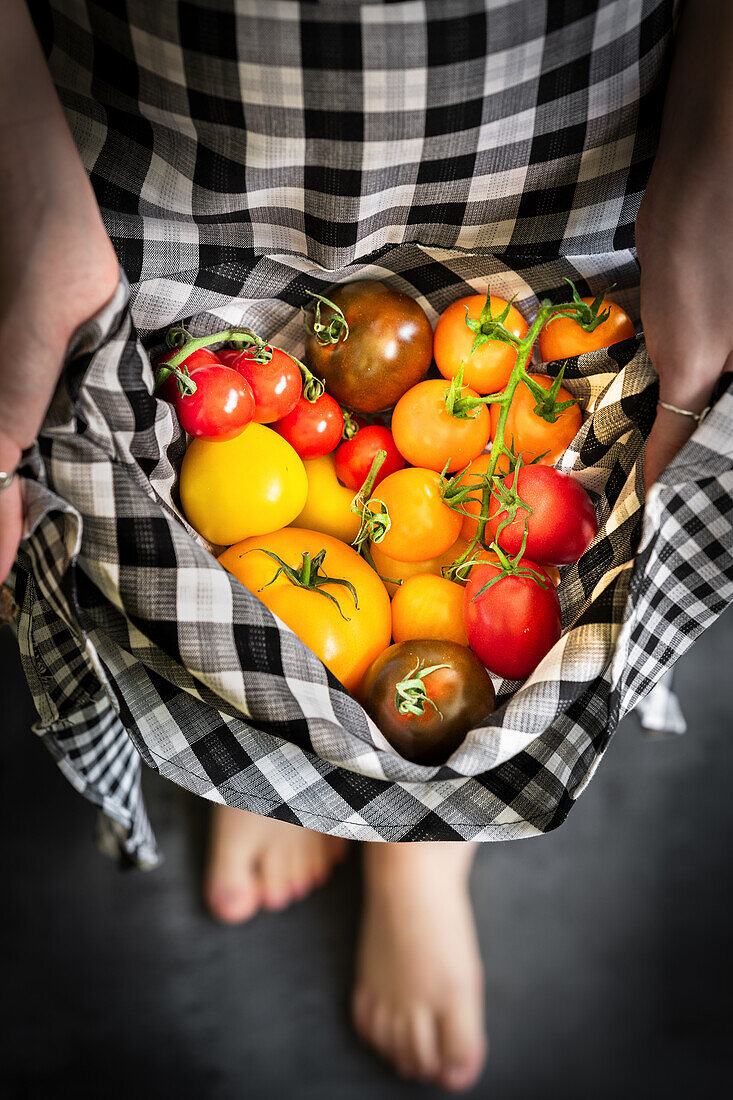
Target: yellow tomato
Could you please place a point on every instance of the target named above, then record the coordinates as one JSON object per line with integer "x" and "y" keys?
{"x": 347, "y": 636}
{"x": 426, "y": 606}
{"x": 391, "y": 569}
{"x": 250, "y": 485}
{"x": 328, "y": 505}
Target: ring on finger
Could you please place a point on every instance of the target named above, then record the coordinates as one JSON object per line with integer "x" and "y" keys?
{"x": 6, "y": 479}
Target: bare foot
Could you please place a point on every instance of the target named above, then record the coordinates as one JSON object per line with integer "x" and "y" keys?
{"x": 419, "y": 988}
{"x": 260, "y": 863}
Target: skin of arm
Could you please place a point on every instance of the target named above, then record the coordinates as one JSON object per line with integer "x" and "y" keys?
{"x": 57, "y": 264}
{"x": 684, "y": 231}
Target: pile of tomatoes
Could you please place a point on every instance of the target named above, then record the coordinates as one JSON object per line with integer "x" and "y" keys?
{"x": 408, "y": 529}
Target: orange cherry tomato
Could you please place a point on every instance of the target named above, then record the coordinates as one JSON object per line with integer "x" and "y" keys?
{"x": 564, "y": 337}
{"x": 422, "y": 524}
{"x": 426, "y": 606}
{"x": 488, "y": 369}
{"x": 529, "y": 434}
{"x": 428, "y": 435}
{"x": 391, "y": 569}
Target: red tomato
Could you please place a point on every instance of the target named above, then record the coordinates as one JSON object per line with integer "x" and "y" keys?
{"x": 563, "y": 337}
{"x": 513, "y": 624}
{"x": 277, "y": 384}
{"x": 354, "y": 456}
{"x": 228, "y": 355}
{"x": 563, "y": 522}
{"x": 200, "y": 358}
{"x": 222, "y": 406}
{"x": 313, "y": 428}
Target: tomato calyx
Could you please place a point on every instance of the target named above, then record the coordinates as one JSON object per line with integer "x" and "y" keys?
{"x": 548, "y": 407}
{"x": 512, "y": 567}
{"x": 487, "y": 327}
{"x": 351, "y": 426}
{"x": 375, "y": 523}
{"x": 184, "y": 381}
{"x": 588, "y": 315}
{"x": 311, "y": 575}
{"x": 326, "y": 333}
{"x": 454, "y": 493}
{"x": 509, "y": 501}
{"x": 410, "y": 693}
{"x": 465, "y": 408}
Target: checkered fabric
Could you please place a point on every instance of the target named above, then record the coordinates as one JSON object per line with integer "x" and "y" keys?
{"x": 244, "y": 154}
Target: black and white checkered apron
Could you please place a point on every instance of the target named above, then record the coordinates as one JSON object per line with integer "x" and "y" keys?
{"x": 244, "y": 152}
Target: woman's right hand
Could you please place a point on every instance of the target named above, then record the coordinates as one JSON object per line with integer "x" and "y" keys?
{"x": 57, "y": 264}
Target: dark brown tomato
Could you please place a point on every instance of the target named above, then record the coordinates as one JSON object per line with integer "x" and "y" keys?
{"x": 459, "y": 697}
{"x": 389, "y": 347}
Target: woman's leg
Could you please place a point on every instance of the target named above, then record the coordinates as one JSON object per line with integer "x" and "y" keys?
{"x": 259, "y": 863}
{"x": 418, "y": 996}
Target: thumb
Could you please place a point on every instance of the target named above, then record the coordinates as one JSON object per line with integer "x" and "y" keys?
{"x": 11, "y": 507}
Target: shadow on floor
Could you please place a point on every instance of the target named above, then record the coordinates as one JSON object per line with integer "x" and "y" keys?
{"x": 607, "y": 942}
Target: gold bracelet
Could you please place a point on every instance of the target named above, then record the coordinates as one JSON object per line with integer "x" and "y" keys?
{"x": 697, "y": 417}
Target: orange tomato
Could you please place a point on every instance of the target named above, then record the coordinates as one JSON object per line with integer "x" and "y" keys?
{"x": 528, "y": 433}
{"x": 390, "y": 568}
{"x": 347, "y": 636}
{"x": 563, "y": 337}
{"x": 428, "y": 435}
{"x": 422, "y": 524}
{"x": 426, "y": 606}
{"x": 488, "y": 369}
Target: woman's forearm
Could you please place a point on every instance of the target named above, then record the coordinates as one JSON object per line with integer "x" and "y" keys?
{"x": 684, "y": 231}
{"x": 57, "y": 265}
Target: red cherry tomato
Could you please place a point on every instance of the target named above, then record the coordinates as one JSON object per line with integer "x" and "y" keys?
{"x": 313, "y": 428}
{"x": 563, "y": 522}
{"x": 199, "y": 358}
{"x": 513, "y": 624}
{"x": 277, "y": 384}
{"x": 222, "y": 406}
{"x": 228, "y": 355}
{"x": 354, "y": 456}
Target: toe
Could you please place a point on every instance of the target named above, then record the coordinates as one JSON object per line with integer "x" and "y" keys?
{"x": 380, "y": 1029}
{"x": 462, "y": 1046}
{"x": 423, "y": 1037}
{"x": 274, "y": 870}
{"x": 361, "y": 1013}
{"x": 231, "y": 904}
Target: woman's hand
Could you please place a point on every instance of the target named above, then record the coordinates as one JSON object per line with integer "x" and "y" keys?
{"x": 57, "y": 265}
{"x": 684, "y": 231}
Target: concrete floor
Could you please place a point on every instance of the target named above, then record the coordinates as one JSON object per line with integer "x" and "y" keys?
{"x": 607, "y": 943}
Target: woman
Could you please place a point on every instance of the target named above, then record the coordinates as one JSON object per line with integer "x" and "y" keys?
{"x": 418, "y": 994}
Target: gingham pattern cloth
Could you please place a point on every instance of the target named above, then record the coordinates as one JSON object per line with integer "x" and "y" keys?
{"x": 244, "y": 154}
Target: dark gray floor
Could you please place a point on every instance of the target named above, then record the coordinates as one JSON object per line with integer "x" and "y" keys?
{"x": 608, "y": 942}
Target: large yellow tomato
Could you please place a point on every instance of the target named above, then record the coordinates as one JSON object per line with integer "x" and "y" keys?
{"x": 345, "y": 636}
{"x": 250, "y": 485}
{"x": 328, "y": 505}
